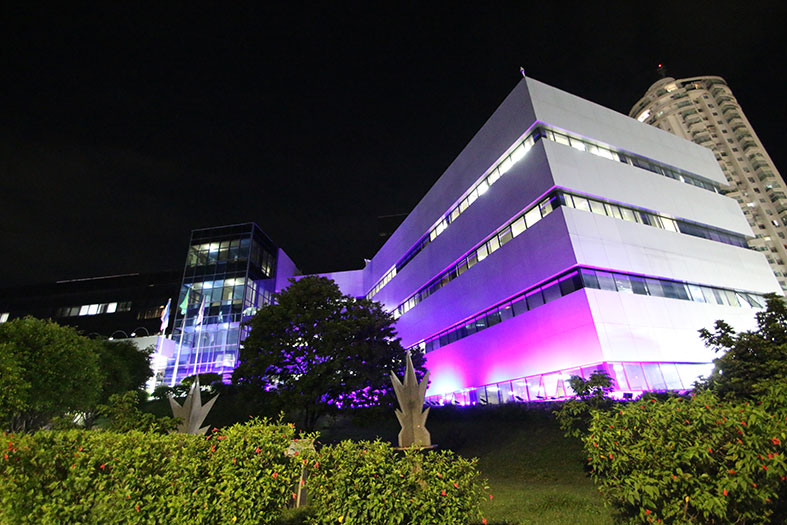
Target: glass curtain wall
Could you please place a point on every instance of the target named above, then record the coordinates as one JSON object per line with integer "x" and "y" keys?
{"x": 229, "y": 275}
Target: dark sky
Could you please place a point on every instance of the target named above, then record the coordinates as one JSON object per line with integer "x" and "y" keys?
{"x": 122, "y": 128}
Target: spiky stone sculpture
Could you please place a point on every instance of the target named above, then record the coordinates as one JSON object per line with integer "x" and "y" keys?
{"x": 193, "y": 412}
{"x": 412, "y": 417}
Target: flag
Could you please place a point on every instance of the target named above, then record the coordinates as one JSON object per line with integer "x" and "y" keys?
{"x": 201, "y": 315}
{"x": 165, "y": 316}
{"x": 185, "y": 304}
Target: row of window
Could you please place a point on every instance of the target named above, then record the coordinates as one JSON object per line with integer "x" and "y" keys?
{"x": 538, "y": 211}
{"x": 212, "y": 252}
{"x": 93, "y": 309}
{"x": 518, "y": 152}
{"x": 600, "y": 280}
{"x": 638, "y": 215}
{"x": 501, "y": 237}
{"x": 631, "y": 376}
{"x": 637, "y": 161}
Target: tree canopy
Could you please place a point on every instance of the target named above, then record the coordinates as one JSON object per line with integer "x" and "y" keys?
{"x": 751, "y": 359}
{"x": 53, "y": 369}
{"x": 319, "y": 350}
{"x": 48, "y": 370}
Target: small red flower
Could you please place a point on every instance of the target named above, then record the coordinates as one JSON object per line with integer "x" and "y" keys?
{"x": 610, "y": 455}
{"x": 257, "y": 450}
{"x": 439, "y": 475}
{"x": 647, "y": 511}
{"x": 776, "y": 441}
{"x": 642, "y": 406}
{"x": 710, "y": 450}
{"x": 456, "y": 485}
{"x": 294, "y": 495}
{"x": 731, "y": 471}
{"x": 743, "y": 423}
{"x": 483, "y": 520}
{"x": 275, "y": 475}
{"x": 724, "y": 492}
{"x": 763, "y": 466}
{"x": 102, "y": 466}
{"x": 442, "y": 492}
{"x": 5, "y": 456}
{"x": 213, "y": 448}
{"x": 490, "y": 496}
{"x": 136, "y": 507}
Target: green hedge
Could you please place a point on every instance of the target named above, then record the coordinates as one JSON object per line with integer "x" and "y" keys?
{"x": 695, "y": 460}
{"x": 370, "y": 483}
{"x": 237, "y": 475}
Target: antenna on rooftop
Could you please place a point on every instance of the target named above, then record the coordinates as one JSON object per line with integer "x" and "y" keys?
{"x": 661, "y": 70}
{"x": 522, "y": 70}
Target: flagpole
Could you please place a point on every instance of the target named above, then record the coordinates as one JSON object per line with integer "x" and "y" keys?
{"x": 184, "y": 310}
{"x": 199, "y": 322}
{"x": 180, "y": 346}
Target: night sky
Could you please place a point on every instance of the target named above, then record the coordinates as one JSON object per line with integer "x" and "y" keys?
{"x": 123, "y": 128}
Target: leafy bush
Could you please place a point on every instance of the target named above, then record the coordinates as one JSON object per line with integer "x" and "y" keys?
{"x": 124, "y": 415}
{"x": 591, "y": 394}
{"x": 76, "y": 476}
{"x": 369, "y": 482}
{"x": 695, "y": 460}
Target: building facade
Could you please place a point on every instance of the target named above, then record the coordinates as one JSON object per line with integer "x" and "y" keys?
{"x": 230, "y": 272}
{"x": 567, "y": 238}
{"x": 704, "y": 110}
{"x": 115, "y": 306}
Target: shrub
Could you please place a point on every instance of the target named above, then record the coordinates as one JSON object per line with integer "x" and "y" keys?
{"x": 76, "y": 476}
{"x": 695, "y": 460}
{"x": 574, "y": 415}
{"x": 369, "y": 482}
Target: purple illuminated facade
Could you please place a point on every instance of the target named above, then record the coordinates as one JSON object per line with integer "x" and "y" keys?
{"x": 563, "y": 239}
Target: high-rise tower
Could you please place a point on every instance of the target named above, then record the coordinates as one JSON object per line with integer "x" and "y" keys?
{"x": 704, "y": 110}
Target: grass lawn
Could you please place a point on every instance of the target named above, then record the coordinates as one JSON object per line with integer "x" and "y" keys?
{"x": 535, "y": 474}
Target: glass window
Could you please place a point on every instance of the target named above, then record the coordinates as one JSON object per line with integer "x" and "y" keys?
{"x": 653, "y": 376}
{"x": 570, "y": 283}
{"x": 669, "y": 224}
{"x": 534, "y": 299}
{"x": 518, "y": 153}
{"x": 462, "y": 267}
{"x": 696, "y": 293}
{"x": 493, "y": 176}
{"x": 628, "y": 215}
{"x": 506, "y": 312}
{"x": 635, "y": 376}
{"x": 581, "y": 203}
{"x": 463, "y": 205}
{"x": 732, "y": 299}
{"x": 518, "y": 226}
{"x": 493, "y": 244}
{"x": 519, "y": 306}
{"x": 472, "y": 259}
{"x": 482, "y": 252}
{"x": 492, "y": 318}
{"x": 470, "y": 328}
{"x": 532, "y": 217}
{"x": 505, "y": 165}
{"x": 590, "y": 279}
{"x": 597, "y": 207}
{"x": 561, "y": 139}
{"x": 638, "y": 285}
{"x": 480, "y": 323}
{"x": 577, "y": 144}
{"x": 568, "y": 200}
{"x": 505, "y": 236}
{"x": 546, "y": 206}
{"x": 111, "y": 308}
{"x": 482, "y": 187}
{"x": 614, "y": 211}
{"x": 623, "y": 283}
{"x": 606, "y": 281}
{"x": 674, "y": 290}
{"x": 472, "y": 197}
{"x": 455, "y": 214}
{"x": 551, "y": 292}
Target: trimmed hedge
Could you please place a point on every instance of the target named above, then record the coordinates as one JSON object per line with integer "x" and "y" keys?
{"x": 693, "y": 460}
{"x": 369, "y": 482}
{"x": 240, "y": 474}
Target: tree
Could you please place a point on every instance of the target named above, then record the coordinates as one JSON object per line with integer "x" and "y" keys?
{"x": 591, "y": 395}
{"x": 319, "y": 350}
{"x": 751, "y": 359}
{"x": 53, "y": 370}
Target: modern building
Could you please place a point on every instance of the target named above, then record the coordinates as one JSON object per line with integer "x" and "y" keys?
{"x": 567, "y": 238}
{"x": 704, "y": 110}
{"x": 230, "y": 272}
